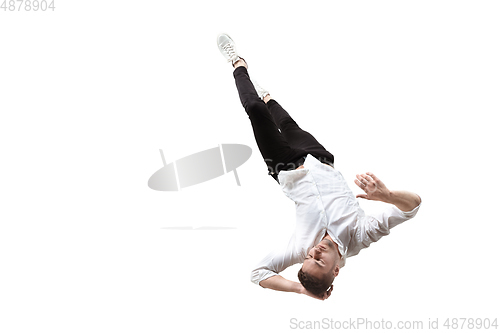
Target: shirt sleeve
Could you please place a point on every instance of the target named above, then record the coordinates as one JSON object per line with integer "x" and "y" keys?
{"x": 371, "y": 228}
{"x": 275, "y": 262}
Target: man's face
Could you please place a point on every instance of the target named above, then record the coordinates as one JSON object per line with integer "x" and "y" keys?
{"x": 322, "y": 261}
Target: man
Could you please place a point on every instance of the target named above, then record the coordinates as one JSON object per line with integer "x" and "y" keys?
{"x": 330, "y": 225}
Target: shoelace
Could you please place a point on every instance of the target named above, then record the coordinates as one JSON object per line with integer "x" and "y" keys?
{"x": 228, "y": 48}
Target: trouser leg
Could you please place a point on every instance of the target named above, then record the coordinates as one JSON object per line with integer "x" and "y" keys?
{"x": 274, "y": 147}
{"x": 295, "y": 136}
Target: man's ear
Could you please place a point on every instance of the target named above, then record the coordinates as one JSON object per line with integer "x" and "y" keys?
{"x": 336, "y": 271}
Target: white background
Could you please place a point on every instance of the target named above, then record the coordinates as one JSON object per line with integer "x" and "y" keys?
{"x": 90, "y": 92}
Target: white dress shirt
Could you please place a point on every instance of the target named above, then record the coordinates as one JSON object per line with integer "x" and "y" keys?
{"x": 324, "y": 203}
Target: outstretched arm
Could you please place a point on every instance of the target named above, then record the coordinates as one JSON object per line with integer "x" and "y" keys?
{"x": 279, "y": 283}
{"x": 376, "y": 190}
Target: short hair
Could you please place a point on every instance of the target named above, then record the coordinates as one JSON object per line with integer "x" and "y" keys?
{"x": 313, "y": 284}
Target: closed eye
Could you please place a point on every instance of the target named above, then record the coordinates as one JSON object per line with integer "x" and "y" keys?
{"x": 310, "y": 257}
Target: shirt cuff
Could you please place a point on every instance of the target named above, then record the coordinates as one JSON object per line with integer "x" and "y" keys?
{"x": 258, "y": 276}
{"x": 412, "y": 212}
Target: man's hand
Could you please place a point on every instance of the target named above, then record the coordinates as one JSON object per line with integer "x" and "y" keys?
{"x": 373, "y": 187}
{"x": 376, "y": 190}
{"x": 324, "y": 296}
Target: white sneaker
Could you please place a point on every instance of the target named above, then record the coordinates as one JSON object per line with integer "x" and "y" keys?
{"x": 260, "y": 91}
{"x": 228, "y": 48}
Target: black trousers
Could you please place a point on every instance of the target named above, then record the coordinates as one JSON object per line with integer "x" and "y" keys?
{"x": 282, "y": 143}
